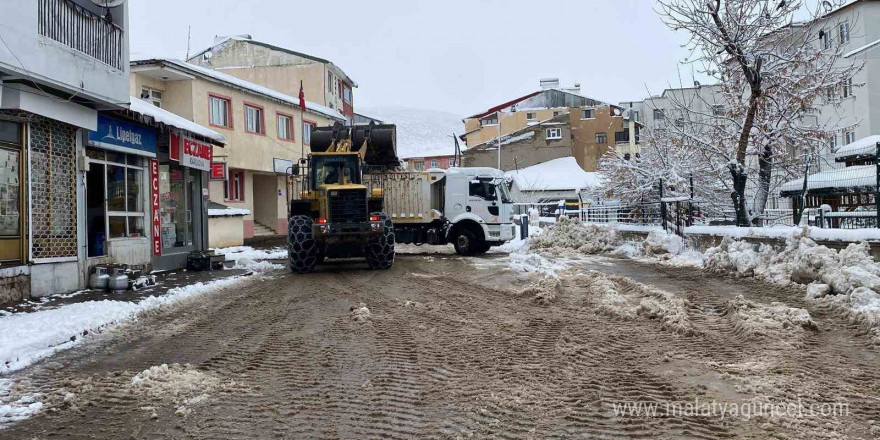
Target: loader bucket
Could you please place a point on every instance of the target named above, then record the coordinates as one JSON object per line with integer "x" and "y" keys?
{"x": 381, "y": 140}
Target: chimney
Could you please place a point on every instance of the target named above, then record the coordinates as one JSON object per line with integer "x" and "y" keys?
{"x": 549, "y": 83}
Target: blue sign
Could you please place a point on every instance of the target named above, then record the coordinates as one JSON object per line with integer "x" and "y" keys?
{"x": 122, "y": 136}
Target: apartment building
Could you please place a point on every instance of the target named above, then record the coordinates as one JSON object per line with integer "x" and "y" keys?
{"x": 421, "y": 163}
{"x": 61, "y": 62}
{"x": 267, "y": 133}
{"x": 596, "y": 127}
{"x": 281, "y": 69}
{"x": 534, "y": 144}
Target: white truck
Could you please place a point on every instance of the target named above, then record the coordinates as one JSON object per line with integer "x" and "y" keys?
{"x": 468, "y": 207}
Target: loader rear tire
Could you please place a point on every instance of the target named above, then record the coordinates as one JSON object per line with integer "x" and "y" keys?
{"x": 302, "y": 250}
{"x": 380, "y": 250}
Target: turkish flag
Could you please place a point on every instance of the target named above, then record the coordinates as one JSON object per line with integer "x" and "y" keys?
{"x": 302, "y": 97}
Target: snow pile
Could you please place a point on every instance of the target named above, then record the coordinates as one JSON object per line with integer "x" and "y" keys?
{"x": 569, "y": 235}
{"x": 360, "y": 313}
{"x": 183, "y": 385}
{"x": 15, "y": 405}
{"x": 777, "y": 322}
{"x": 524, "y": 261}
{"x": 237, "y": 252}
{"x": 544, "y": 291}
{"x": 256, "y": 266}
{"x": 732, "y": 256}
{"x": 28, "y": 337}
{"x": 228, "y": 212}
{"x": 662, "y": 243}
{"x": 606, "y": 298}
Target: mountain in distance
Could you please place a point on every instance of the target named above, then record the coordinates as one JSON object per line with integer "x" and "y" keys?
{"x": 420, "y": 132}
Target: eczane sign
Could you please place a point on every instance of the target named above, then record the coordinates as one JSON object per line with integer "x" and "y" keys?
{"x": 195, "y": 154}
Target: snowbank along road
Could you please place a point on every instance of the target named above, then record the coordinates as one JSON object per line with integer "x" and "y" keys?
{"x": 447, "y": 347}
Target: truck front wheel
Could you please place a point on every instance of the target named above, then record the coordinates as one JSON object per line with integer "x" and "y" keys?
{"x": 302, "y": 250}
{"x": 466, "y": 243}
{"x": 380, "y": 250}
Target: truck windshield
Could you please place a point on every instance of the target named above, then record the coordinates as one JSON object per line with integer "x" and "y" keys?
{"x": 330, "y": 170}
{"x": 490, "y": 189}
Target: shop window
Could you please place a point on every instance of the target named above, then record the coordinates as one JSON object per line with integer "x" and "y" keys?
{"x": 234, "y": 191}
{"x": 115, "y": 204}
{"x": 11, "y": 177}
{"x": 221, "y": 111}
{"x": 176, "y": 190}
{"x": 285, "y": 127}
{"x": 253, "y": 119}
{"x": 307, "y": 132}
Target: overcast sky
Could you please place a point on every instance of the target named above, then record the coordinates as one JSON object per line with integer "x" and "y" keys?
{"x": 459, "y": 56}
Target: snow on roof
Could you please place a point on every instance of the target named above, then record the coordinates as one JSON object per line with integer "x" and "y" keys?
{"x": 557, "y": 174}
{"x": 254, "y": 88}
{"x": 476, "y": 171}
{"x": 863, "y": 146}
{"x": 861, "y": 49}
{"x": 168, "y": 118}
{"x": 849, "y": 177}
{"x": 421, "y": 132}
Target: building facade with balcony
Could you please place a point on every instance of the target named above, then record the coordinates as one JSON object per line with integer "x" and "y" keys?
{"x": 281, "y": 69}
{"x": 266, "y": 133}
{"x": 594, "y": 125}
{"x": 61, "y": 62}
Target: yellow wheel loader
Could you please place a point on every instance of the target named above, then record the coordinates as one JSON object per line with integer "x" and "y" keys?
{"x": 336, "y": 215}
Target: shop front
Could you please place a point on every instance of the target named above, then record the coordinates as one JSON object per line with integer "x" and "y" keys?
{"x": 116, "y": 197}
{"x": 179, "y": 198}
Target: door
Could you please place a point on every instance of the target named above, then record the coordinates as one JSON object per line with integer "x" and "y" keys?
{"x": 12, "y": 208}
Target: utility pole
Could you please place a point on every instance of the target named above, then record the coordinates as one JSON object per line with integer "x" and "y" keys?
{"x": 498, "y": 114}
{"x": 188, "y": 39}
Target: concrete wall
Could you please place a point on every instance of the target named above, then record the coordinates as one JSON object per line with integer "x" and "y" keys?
{"x": 225, "y": 231}
{"x": 56, "y": 64}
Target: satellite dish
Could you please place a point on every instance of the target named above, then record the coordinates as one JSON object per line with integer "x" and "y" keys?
{"x": 827, "y": 5}
{"x": 616, "y": 111}
{"x": 108, "y": 3}
{"x": 697, "y": 84}
{"x": 207, "y": 55}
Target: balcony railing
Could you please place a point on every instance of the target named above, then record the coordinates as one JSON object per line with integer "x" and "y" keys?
{"x": 82, "y": 30}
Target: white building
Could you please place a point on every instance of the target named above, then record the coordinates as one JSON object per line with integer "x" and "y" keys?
{"x": 60, "y": 62}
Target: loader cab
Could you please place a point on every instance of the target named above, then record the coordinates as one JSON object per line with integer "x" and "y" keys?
{"x": 334, "y": 169}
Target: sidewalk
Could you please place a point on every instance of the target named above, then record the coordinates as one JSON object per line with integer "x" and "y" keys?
{"x": 33, "y": 330}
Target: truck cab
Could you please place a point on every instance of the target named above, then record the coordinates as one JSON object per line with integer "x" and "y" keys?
{"x": 478, "y": 200}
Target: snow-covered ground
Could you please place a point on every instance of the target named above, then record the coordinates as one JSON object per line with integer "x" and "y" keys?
{"x": 28, "y": 337}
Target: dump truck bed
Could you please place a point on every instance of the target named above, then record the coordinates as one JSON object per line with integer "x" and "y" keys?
{"x": 411, "y": 197}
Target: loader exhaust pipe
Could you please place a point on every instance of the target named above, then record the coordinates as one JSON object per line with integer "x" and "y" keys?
{"x": 381, "y": 141}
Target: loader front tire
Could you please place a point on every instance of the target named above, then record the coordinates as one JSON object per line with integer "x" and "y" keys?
{"x": 302, "y": 250}
{"x": 380, "y": 250}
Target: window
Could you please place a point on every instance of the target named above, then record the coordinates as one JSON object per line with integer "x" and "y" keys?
{"x": 601, "y": 138}
{"x": 329, "y": 82}
{"x": 285, "y": 127}
{"x": 419, "y": 165}
{"x": 531, "y": 116}
{"x": 115, "y": 191}
{"x": 489, "y": 120}
{"x": 588, "y": 113}
{"x": 658, "y": 114}
{"x": 825, "y": 38}
{"x": 554, "y": 133}
{"x": 452, "y": 162}
{"x": 849, "y": 137}
{"x": 346, "y": 95}
{"x": 152, "y": 96}
{"x": 636, "y": 116}
{"x": 253, "y": 119}
{"x": 307, "y": 132}
{"x": 234, "y": 191}
{"x": 11, "y": 178}
{"x": 221, "y": 111}
{"x": 433, "y": 163}
{"x": 843, "y": 32}
{"x": 830, "y": 94}
{"x": 832, "y": 142}
{"x": 557, "y": 113}
{"x": 848, "y": 88}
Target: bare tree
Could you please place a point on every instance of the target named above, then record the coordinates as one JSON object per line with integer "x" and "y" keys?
{"x": 774, "y": 73}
